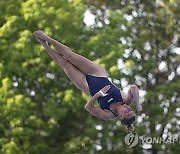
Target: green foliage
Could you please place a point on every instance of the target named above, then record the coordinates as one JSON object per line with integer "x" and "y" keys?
{"x": 42, "y": 112}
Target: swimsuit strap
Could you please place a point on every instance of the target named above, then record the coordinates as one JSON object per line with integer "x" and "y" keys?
{"x": 113, "y": 113}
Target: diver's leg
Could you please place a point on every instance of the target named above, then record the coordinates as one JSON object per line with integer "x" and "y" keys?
{"x": 77, "y": 77}
{"x": 85, "y": 65}
{"x": 133, "y": 95}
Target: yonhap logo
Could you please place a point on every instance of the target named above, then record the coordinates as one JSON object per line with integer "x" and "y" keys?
{"x": 160, "y": 140}
{"x": 131, "y": 140}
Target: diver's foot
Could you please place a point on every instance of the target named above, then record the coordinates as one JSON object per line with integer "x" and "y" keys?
{"x": 43, "y": 42}
{"x": 41, "y": 34}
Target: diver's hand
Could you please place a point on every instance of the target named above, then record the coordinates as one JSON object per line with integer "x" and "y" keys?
{"x": 103, "y": 91}
{"x": 139, "y": 108}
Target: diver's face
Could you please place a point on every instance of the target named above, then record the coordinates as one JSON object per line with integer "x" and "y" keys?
{"x": 126, "y": 112}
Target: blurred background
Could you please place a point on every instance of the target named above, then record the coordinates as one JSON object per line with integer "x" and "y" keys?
{"x": 136, "y": 41}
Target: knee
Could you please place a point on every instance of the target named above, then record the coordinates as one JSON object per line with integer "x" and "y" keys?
{"x": 101, "y": 69}
{"x": 133, "y": 87}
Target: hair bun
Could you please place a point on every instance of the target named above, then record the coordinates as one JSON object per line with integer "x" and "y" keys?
{"x": 129, "y": 128}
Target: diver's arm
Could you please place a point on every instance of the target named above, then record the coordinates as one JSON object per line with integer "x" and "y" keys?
{"x": 96, "y": 111}
{"x": 135, "y": 93}
{"x": 91, "y": 102}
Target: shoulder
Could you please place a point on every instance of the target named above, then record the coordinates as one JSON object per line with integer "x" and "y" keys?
{"x": 124, "y": 97}
{"x": 111, "y": 115}
{"x": 100, "y": 113}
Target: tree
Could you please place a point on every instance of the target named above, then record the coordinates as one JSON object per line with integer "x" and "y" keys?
{"x": 42, "y": 112}
{"x": 152, "y": 58}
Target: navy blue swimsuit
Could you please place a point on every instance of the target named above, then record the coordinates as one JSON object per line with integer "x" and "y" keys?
{"x": 96, "y": 84}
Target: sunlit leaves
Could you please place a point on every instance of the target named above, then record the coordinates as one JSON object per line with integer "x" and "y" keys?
{"x": 11, "y": 147}
{"x": 8, "y": 27}
{"x": 129, "y": 64}
{"x": 30, "y": 9}
{"x": 6, "y": 83}
{"x": 41, "y": 111}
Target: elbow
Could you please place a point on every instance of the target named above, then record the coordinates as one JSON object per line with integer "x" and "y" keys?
{"x": 86, "y": 108}
{"x": 133, "y": 87}
{"x": 106, "y": 118}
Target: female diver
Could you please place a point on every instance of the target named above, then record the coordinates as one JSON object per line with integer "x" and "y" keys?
{"x": 92, "y": 80}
